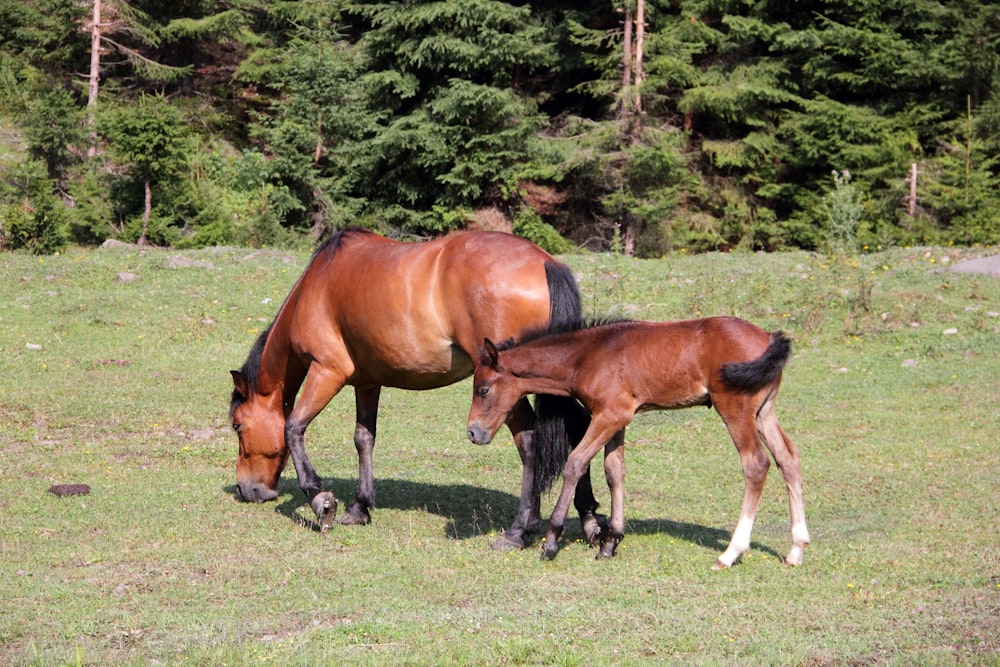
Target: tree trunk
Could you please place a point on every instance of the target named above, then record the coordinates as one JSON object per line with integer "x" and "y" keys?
{"x": 147, "y": 210}
{"x": 640, "y": 35}
{"x": 95, "y": 76}
{"x": 627, "y": 58}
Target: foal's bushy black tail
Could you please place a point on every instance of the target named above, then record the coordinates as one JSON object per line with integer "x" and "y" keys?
{"x": 762, "y": 371}
{"x": 560, "y": 421}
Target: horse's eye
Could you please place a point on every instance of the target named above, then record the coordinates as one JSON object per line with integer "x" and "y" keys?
{"x": 483, "y": 391}
{"x": 237, "y": 427}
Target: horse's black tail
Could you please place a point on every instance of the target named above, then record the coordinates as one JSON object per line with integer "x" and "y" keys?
{"x": 560, "y": 421}
{"x": 754, "y": 375}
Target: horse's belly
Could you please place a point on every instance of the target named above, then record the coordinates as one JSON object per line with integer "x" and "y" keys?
{"x": 417, "y": 371}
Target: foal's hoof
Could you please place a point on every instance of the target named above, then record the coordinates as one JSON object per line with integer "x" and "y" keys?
{"x": 507, "y": 542}
{"x": 794, "y": 557}
{"x": 325, "y": 507}
{"x": 719, "y": 565}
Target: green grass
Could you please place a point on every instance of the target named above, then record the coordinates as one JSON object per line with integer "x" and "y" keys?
{"x": 159, "y": 564}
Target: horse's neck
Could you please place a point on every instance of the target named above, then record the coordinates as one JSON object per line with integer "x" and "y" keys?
{"x": 280, "y": 369}
{"x": 545, "y": 368}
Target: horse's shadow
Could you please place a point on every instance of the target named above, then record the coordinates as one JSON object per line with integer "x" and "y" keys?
{"x": 474, "y": 511}
{"x": 471, "y": 511}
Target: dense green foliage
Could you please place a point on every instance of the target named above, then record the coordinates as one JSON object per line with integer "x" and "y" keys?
{"x": 412, "y": 117}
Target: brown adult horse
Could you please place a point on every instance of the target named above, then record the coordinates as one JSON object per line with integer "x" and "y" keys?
{"x": 619, "y": 369}
{"x": 372, "y": 312}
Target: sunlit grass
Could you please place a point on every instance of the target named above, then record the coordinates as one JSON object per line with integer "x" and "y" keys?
{"x": 891, "y": 396}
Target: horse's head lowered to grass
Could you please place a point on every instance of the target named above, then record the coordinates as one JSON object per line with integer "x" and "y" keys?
{"x": 259, "y": 422}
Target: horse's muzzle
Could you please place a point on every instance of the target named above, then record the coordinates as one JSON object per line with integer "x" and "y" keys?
{"x": 478, "y": 435}
{"x": 252, "y": 492}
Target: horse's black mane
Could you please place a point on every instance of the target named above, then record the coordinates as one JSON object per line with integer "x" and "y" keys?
{"x": 538, "y": 333}
{"x": 332, "y": 244}
{"x": 251, "y": 367}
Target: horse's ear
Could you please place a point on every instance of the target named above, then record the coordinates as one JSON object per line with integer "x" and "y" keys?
{"x": 240, "y": 384}
{"x": 490, "y": 354}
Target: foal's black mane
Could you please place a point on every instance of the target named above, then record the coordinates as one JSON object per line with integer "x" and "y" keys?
{"x": 530, "y": 335}
{"x": 251, "y": 367}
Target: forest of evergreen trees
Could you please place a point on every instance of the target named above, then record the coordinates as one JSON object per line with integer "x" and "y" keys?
{"x": 648, "y": 125}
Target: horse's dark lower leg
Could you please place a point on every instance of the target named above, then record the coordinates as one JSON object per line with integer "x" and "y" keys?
{"x": 527, "y": 520}
{"x": 321, "y": 385}
{"x": 366, "y": 401}
{"x": 323, "y": 503}
{"x": 309, "y": 481}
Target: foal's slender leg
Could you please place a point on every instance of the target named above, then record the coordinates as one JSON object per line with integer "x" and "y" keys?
{"x": 320, "y": 387}
{"x": 599, "y": 432}
{"x": 739, "y": 417}
{"x": 527, "y": 519}
{"x": 366, "y": 409}
{"x": 614, "y": 472}
{"x": 786, "y": 456}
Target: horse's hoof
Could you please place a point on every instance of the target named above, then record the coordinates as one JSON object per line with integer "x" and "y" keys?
{"x": 607, "y": 551}
{"x": 325, "y": 507}
{"x": 354, "y": 515}
{"x": 594, "y": 527}
{"x": 719, "y": 565}
{"x": 507, "y": 543}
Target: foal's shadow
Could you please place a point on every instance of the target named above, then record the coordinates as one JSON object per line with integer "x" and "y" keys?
{"x": 473, "y": 511}
{"x": 713, "y": 539}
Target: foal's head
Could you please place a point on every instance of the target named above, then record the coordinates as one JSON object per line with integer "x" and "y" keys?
{"x": 495, "y": 392}
{"x": 259, "y": 422}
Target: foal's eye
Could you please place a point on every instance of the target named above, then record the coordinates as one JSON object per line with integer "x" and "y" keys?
{"x": 483, "y": 391}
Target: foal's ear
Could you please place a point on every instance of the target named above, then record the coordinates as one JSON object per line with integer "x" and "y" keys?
{"x": 490, "y": 354}
{"x": 240, "y": 384}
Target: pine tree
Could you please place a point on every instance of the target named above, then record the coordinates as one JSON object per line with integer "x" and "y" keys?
{"x": 151, "y": 139}
{"x": 443, "y": 82}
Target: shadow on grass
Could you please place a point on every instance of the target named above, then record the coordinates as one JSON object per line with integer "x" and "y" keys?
{"x": 710, "y": 538}
{"x": 471, "y": 511}
{"x": 474, "y": 511}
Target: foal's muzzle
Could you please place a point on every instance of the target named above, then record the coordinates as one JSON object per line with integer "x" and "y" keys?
{"x": 479, "y": 435}
{"x": 252, "y": 492}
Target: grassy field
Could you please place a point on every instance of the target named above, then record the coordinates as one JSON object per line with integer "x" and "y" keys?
{"x": 891, "y": 395}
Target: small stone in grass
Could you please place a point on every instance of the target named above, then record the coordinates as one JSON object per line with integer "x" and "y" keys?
{"x": 69, "y": 489}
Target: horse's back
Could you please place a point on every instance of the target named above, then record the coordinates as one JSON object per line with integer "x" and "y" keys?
{"x": 414, "y": 314}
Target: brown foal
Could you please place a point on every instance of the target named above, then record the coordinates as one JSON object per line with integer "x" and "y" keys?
{"x": 619, "y": 369}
